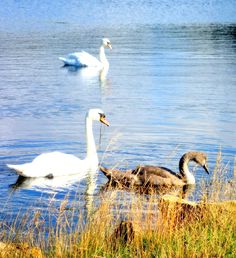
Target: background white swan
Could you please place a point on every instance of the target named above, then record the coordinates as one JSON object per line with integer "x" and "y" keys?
{"x": 59, "y": 164}
{"x": 84, "y": 59}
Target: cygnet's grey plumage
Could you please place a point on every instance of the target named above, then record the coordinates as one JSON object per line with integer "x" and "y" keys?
{"x": 158, "y": 176}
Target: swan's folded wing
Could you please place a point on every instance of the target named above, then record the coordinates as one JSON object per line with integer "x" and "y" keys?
{"x": 53, "y": 164}
{"x": 68, "y": 61}
{"x": 85, "y": 59}
{"x": 58, "y": 163}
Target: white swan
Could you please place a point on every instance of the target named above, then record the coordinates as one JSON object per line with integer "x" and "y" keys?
{"x": 84, "y": 59}
{"x": 59, "y": 164}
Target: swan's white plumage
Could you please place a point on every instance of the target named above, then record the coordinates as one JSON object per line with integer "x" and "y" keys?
{"x": 52, "y": 163}
{"x": 84, "y": 59}
{"x": 60, "y": 164}
{"x": 81, "y": 59}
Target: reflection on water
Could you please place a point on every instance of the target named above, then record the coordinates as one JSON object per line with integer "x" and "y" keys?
{"x": 184, "y": 192}
{"x": 52, "y": 185}
{"x": 127, "y": 205}
{"x": 170, "y": 89}
{"x": 89, "y": 73}
{"x": 55, "y": 185}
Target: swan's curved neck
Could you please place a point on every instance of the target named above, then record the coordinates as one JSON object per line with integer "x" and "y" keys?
{"x": 91, "y": 147}
{"x": 188, "y": 177}
{"x": 102, "y": 56}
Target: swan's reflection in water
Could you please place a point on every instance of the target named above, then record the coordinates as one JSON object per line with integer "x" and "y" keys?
{"x": 92, "y": 75}
{"x": 88, "y": 72}
{"x": 139, "y": 205}
{"x": 61, "y": 184}
{"x": 90, "y": 192}
{"x": 103, "y": 75}
{"x": 48, "y": 184}
{"x": 124, "y": 204}
{"x": 183, "y": 192}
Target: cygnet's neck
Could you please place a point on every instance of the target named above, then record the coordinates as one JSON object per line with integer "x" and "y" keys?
{"x": 91, "y": 147}
{"x": 188, "y": 177}
{"x": 102, "y": 57}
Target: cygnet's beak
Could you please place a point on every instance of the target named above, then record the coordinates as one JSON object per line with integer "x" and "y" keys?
{"x": 206, "y": 168}
{"x": 109, "y": 45}
{"x": 104, "y": 121}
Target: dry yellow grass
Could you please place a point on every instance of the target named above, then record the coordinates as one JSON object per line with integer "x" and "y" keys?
{"x": 137, "y": 225}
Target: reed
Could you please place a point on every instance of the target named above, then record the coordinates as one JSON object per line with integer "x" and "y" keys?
{"x": 132, "y": 225}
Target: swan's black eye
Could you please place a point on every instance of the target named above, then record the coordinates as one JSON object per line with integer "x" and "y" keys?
{"x": 102, "y": 115}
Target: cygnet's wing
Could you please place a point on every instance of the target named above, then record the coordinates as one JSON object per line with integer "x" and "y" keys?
{"x": 154, "y": 170}
{"x": 157, "y": 176}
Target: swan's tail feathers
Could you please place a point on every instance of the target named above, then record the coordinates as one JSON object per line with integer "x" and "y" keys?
{"x": 106, "y": 171}
{"x": 63, "y": 59}
{"x": 19, "y": 169}
{"x": 113, "y": 174}
{"x": 70, "y": 61}
{"x": 15, "y": 167}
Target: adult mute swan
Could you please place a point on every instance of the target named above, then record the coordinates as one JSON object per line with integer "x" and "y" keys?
{"x": 60, "y": 164}
{"x": 158, "y": 176}
{"x": 84, "y": 59}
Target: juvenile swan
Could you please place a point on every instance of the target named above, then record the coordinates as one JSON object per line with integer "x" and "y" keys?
{"x": 60, "y": 164}
{"x": 84, "y": 59}
{"x": 158, "y": 176}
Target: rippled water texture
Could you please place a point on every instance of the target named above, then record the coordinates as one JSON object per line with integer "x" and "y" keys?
{"x": 170, "y": 89}
{"x": 38, "y": 14}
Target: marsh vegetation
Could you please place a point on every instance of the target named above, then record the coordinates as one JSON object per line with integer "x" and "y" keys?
{"x": 134, "y": 225}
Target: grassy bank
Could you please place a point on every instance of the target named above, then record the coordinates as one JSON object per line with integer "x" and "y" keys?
{"x": 151, "y": 227}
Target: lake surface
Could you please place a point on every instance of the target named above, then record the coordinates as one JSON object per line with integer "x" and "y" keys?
{"x": 171, "y": 88}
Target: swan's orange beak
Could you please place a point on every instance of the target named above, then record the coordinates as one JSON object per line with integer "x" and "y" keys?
{"x": 104, "y": 121}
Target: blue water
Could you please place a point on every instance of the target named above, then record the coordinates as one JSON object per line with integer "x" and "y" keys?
{"x": 171, "y": 88}
{"x": 38, "y": 14}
